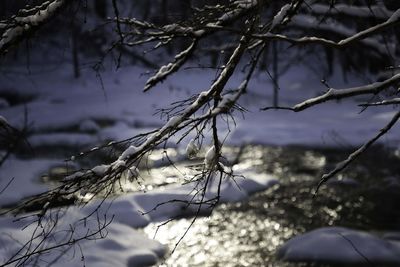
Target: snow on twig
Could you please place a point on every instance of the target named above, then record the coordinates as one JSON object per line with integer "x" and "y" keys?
{"x": 280, "y": 16}
{"x": 336, "y": 94}
{"x": 362, "y": 36}
{"x": 332, "y": 94}
{"x": 19, "y": 26}
{"x": 172, "y": 67}
{"x": 181, "y": 58}
{"x": 393, "y": 101}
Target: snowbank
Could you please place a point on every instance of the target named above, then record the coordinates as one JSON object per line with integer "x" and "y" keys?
{"x": 123, "y": 245}
{"x": 62, "y": 139}
{"x": 63, "y": 102}
{"x": 78, "y": 112}
{"x": 340, "y": 245}
{"x": 20, "y": 178}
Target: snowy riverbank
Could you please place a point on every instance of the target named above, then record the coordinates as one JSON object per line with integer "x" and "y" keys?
{"x": 78, "y": 114}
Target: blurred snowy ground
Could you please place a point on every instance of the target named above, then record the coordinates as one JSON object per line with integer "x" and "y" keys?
{"x": 80, "y": 113}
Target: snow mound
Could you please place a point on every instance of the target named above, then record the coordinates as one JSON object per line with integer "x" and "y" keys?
{"x": 62, "y": 139}
{"x": 176, "y": 197}
{"x": 340, "y": 245}
{"x": 17, "y": 183}
{"x": 89, "y": 125}
{"x": 122, "y": 245}
{"x": 124, "y": 210}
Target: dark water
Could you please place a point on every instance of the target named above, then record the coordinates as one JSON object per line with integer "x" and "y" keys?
{"x": 249, "y": 233}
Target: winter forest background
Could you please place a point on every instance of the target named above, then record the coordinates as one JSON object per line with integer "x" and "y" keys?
{"x": 199, "y": 133}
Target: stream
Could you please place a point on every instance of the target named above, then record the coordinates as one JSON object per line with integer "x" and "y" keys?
{"x": 248, "y": 233}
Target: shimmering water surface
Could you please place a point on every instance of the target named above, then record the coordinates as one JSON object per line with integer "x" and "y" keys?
{"x": 249, "y": 233}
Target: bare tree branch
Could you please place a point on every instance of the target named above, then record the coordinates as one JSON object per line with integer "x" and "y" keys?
{"x": 353, "y": 156}
{"x": 19, "y": 27}
{"x": 336, "y": 94}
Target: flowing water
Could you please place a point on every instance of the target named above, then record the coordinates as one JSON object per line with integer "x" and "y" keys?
{"x": 249, "y": 233}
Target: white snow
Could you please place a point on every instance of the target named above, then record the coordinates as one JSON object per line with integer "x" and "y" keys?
{"x": 64, "y": 103}
{"x": 123, "y": 243}
{"x": 209, "y": 158}
{"x": 89, "y": 126}
{"x": 132, "y": 173}
{"x": 172, "y": 67}
{"x": 127, "y": 153}
{"x": 395, "y": 17}
{"x": 280, "y": 16}
{"x": 84, "y": 100}
{"x": 100, "y": 170}
{"x": 62, "y": 139}
{"x": 340, "y": 245}
{"x": 25, "y": 23}
{"x": 23, "y": 176}
{"x": 192, "y": 149}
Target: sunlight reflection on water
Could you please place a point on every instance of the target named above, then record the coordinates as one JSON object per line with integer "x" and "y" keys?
{"x": 230, "y": 237}
{"x": 248, "y": 233}
{"x": 235, "y": 239}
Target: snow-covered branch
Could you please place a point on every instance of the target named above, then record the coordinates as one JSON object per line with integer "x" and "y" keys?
{"x": 393, "y": 101}
{"x": 172, "y": 67}
{"x": 148, "y": 32}
{"x": 352, "y": 37}
{"x": 18, "y": 27}
{"x": 336, "y": 94}
{"x": 103, "y": 177}
{"x": 232, "y": 35}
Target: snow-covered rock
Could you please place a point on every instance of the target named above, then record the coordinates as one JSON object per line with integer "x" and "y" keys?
{"x": 121, "y": 246}
{"x": 340, "y": 245}
{"x": 89, "y": 126}
{"x": 125, "y": 246}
